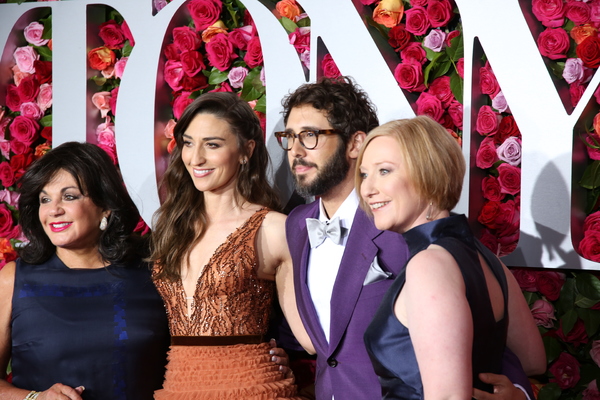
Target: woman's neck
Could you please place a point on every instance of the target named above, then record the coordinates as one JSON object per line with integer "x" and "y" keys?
{"x": 81, "y": 258}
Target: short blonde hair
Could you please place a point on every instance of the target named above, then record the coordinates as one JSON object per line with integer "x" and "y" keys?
{"x": 434, "y": 159}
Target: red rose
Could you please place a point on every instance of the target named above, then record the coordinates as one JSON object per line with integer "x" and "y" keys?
{"x": 508, "y": 219}
{"x": 47, "y": 133}
{"x": 554, "y": 43}
{"x": 240, "y": 37}
{"x": 549, "y": 283}
{"x": 329, "y": 67}
{"x": 589, "y": 247}
{"x": 409, "y": 76}
{"x": 509, "y": 178}
{"x": 428, "y": 104}
{"x": 446, "y": 122}
{"x": 414, "y": 52}
{"x": 589, "y": 52}
{"x": 7, "y": 225}
{"x": 576, "y": 336}
{"x": 7, "y": 176}
{"x": 488, "y": 121}
{"x": 127, "y": 33}
{"x": 489, "y": 240}
{"x": 576, "y": 90}
{"x": 19, "y": 147}
{"x": 460, "y": 67}
{"x": 440, "y": 88}
{"x": 508, "y": 127}
{"x": 399, "y": 37}
{"x": 13, "y": 100}
{"x": 223, "y": 87}
{"x": 28, "y": 89}
{"x": 486, "y": 154}
{"x": 549, "y": 12}
{"x": 172, "y": 52}
{"x": 204, "y": 13}
{"x": 526, "y": 278}
{"x": 142, "y": 228}
{"x": 455, "y": 110}
{"x": 192, "y": 62}
{"x": 451, "y": 36}
{"x": 254, "y": 57}
{"x": 439, "y": 12}
{"x": 220, "y": 52}
{"x": 491, "y": 189}
{"x": 185, "y": 39}
{"x": 592, "y": 222}
{"x": 191, "y": 83}
{"x": 565, "y": 370}
{"x": 489, "y": 214}
{"x": 101, "y": 58}
{"x": 112, "y": 35}
{"x": 24, "y": 129}
{"x": 417, "y": 21}
{"x": 180, "y": 104}
{"x": 173, "y": 74}
{"x": 487, "y": 82}
{"x": 578, "y": 12}
{"x": 43, "y": 71}
{"x": 112, "y": 102}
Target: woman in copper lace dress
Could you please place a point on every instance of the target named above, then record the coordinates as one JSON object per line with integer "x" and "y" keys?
{"x": 218, "y": 252}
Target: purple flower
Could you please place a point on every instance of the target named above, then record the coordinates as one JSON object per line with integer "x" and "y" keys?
{"x": 236, "y": 77}
{"x": 499, "y": 102}
{"x": 435, "y": 40}
{"x": 510, "y": 151}
{"x": 573, "y": 70}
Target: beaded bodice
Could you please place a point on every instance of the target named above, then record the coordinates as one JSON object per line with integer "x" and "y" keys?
{"x": 230, "y": 298}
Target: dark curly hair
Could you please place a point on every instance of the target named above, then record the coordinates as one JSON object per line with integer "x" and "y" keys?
{"x": 97, "y": 178}
{"x": 347, "y": 106}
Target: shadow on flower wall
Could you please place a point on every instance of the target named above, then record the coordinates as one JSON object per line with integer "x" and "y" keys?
{"x": 213, "y": 45}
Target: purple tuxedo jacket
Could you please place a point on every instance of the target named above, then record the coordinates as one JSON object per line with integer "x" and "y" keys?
{"x": 343, "y": 365}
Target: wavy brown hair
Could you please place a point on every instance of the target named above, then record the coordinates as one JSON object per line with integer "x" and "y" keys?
{"x": 181, "y": 220}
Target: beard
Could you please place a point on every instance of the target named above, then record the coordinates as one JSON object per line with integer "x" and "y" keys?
{"x": 328, "y": 176}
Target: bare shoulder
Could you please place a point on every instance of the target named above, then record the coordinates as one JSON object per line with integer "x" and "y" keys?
{"x": 433, "y": 263}
{"x": 7, "y": 276}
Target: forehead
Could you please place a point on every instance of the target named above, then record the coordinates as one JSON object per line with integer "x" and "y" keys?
{"x": 62, "y": 178}
{"x": 307, "y": 117}
{"x": 208, "y": 125}
{"x": 383, "y": 149}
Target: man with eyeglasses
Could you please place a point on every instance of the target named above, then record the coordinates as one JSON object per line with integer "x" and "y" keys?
{"x": 343, "y": 265}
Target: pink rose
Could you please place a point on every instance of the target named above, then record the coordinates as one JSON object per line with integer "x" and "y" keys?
{"x": 112, "y": 35}
{"x": 565, "y": 371}
{"x": 576, "y": 90}
{"x": 455, "y": 111}
{"x": 439, "y": 12}
{"x": 413, "y": 52}
{"x": 428, "y": 104}
{"x": 510, "y": 151}
{"x": 181, "y": 103}
{"x": 526, "y": 279}
{"x": 589, "y": 247}
{"x": 554, "y": 43}
{"x": 120, "y": 66}
{"x": 487, "y": 81}
{"x": 417, "y": 21}
{"x": 7, "y": 176}
{"x": 489, "y": 214}
{"x": 142, "y": 228}
{"x": 435, "y": 40}
{"x": 127, "y": 33}
{"x": 499, "y": 103}
{"x": 460, "y": 67}
{"x": 25, "y": 58}
{"x": 173, "y": 74}
{"x": 451, "y": 35}
{"x": 573, "y": 70}
{"x": 24, "y": 130}
{"x": 591, "y": 392}
{"x": 254, "y": 56}
{"x": 171, "y": 52}
{"x": 300, "y": 39}
{"x": 488, "y": 121}
{"x": 31, "y": 110}
{"x": 192, "y": 62}
{"x": 592, "y": 222}
{"x": 19, "y": 75}
{"x": 578, "y": 12}
{"x": 10, "y": 197}
{"x": 101, "y": 100}
{"x": 28, "y": 89}
{"x": 409, "y": 76}
{"x": 44, "y": 97}
{"x": 305, "y": 58}
{"x": 13, "y": 100}
{"x": 111, "y": 151}
{"x": 240, "y": 37}
{"x": 330, "y": 69}
{"x": 33, "y": 34}
{"x": 421, "y": 3}
{"x": 236, "y": 77}
{"x": 509, "y": 178}
{"x": 105, "y": 134}
{"x": 204, "y": 13}
{"x": 220, "y": 52}
{"x": 593, "y": 147}
{"x": 440, "y": 88}
{"x": 7, "y": 225}
{"x": 186, "y": 39}
{"x": 159, "y": 4}
{"x": 19, "y": 147}
{"x": 491, "y": 189}
{"x": 486, "y": 154}
{"x": 543, "y": 313}
{"x": 262, "y": 77}
{"x": 549, "y": 12}
{"x": 595, "y": 352}
{"x": 170, "y": 129}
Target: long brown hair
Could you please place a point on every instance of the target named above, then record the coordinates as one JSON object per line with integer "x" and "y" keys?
{"x": 181, "y": 220}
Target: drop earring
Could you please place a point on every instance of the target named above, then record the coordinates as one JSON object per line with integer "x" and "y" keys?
{"x": 103, "y": 223}
{"x": 429, "y": 212}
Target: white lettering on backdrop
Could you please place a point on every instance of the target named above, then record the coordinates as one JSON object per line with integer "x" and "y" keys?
{"x": 546, "y": 127}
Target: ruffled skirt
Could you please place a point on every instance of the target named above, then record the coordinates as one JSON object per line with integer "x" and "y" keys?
{"x": 243, "y": 371}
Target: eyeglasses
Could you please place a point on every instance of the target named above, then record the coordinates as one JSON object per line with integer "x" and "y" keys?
{"x": 308, "y": 139}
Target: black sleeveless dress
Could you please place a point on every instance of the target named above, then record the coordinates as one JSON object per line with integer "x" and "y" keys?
{"x": 105, "y": 329}
{"x": 388, "y": 341}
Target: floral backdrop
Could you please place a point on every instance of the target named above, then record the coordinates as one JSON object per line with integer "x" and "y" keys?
{"x": 217, "y": 48}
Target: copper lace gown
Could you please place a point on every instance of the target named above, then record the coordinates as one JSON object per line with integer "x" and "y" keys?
{"x": 230, "y": 300}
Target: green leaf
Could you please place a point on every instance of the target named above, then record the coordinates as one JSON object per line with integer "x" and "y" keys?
{"x": 457, "y": 86}
{"x": 261, "y": 104}
{"x": 253, "y": 87}
{"x": 430, "y": 54}
{"x": 553, "y": 348}
{"x": 441, "y": 70}
{"x": 47, "y": 22}
{"x": 456, "y": 51}
{"x": 289, "y": 25}
{"x": 550, "y": 391}
{"x": 217, "y": 77}
{"x": 44, "y": 52}
{"x": 588, "y": 285}
{"x": 304, "y": 22}
{"x": 568, "y": 321}
{"x": 432, "y": 64}
{"x": 46, "y": 120}
{"x": 233, "y": 13}
{"x": 127, "y": 48}
{"x": 566, "y": 301}
{"x": 591, "y": 176}
{"x": 584, "y": 302}
{"x": 557, "y": 68}
{"x": 591, "y": 320}
{"x": 99, "y": 80}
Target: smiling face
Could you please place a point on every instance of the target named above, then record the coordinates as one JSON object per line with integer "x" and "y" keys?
{"x": 387, "y": 187}
{"x": 69, "y": 218}
{"x": 321, "y": 169}
{"x": 211, "y": 154}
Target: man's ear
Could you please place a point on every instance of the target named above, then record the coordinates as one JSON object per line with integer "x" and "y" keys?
{"x": 356, "y": 143}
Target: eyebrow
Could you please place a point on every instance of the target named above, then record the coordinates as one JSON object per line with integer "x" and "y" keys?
{"x": 306, "y": 128}
{"x": 62, "y": 190}
{"x": 206, "y": 139}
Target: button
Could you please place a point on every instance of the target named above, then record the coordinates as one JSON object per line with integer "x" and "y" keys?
{"x": 332, "y": 362}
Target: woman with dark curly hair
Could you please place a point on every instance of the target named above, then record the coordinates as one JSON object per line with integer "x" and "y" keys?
{"x": 79, "y": 314}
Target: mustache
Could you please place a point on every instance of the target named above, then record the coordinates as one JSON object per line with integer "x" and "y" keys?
{"x": 304, "y": 163}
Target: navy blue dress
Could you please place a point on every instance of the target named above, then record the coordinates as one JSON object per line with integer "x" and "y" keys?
{"x": 388, "y": 341}
{"x": 105, "y": 329}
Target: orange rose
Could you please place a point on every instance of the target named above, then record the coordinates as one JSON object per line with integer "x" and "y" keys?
{"x": 41, "y": 149}
{"x": 101, "y": 58}
{"x": 217, "y": 27}
{"x": 288, "y": 9}
{"x": 579, "y": 33}
{"x": 389, "y": 12}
